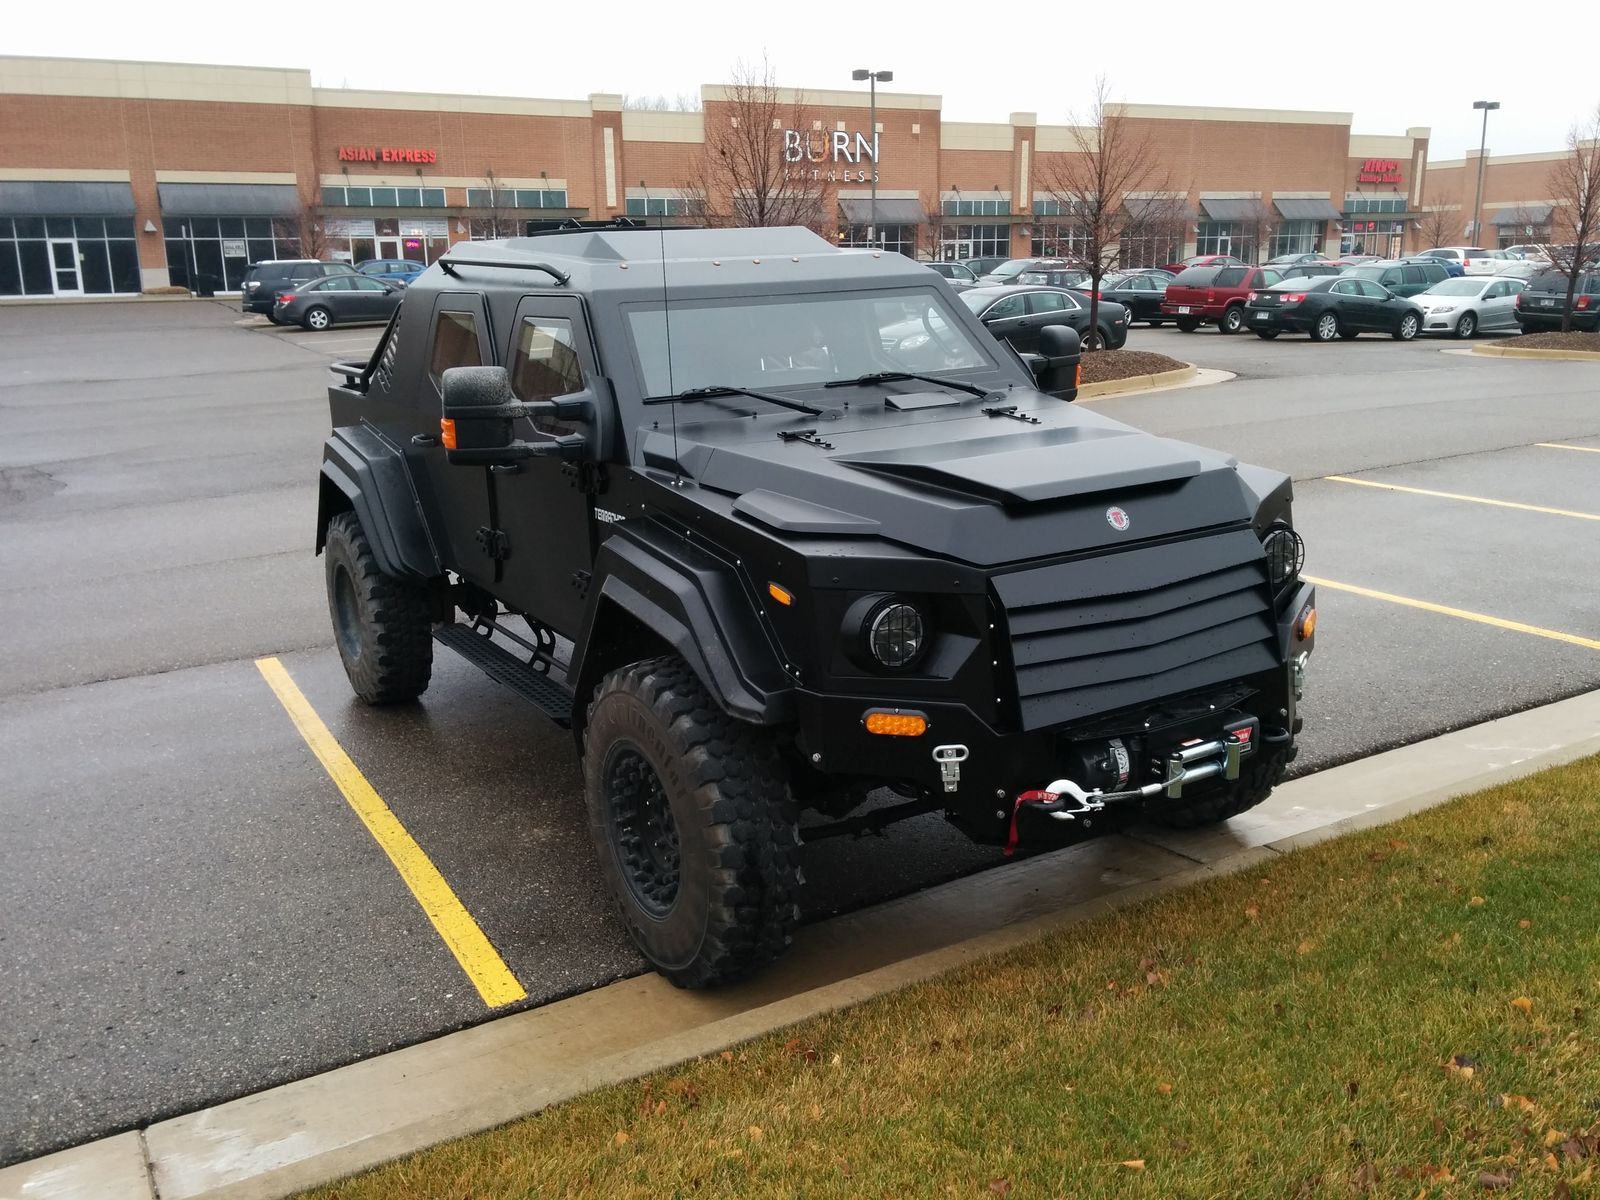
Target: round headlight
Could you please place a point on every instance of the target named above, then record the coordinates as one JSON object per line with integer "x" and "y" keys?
{"x": 895, "y": 634}
{"x": 1286, "y": 554}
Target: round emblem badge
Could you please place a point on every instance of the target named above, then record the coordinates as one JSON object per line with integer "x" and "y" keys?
{"x": 1117, "y": 519}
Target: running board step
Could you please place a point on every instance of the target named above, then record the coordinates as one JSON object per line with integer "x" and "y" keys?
{"x": 504, "y": 667}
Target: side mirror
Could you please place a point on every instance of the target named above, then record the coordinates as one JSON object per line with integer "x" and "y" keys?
{"x": 1060, "y": 352}
{"x": 479, "y": 407}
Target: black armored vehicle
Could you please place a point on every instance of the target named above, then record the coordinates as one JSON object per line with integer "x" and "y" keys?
{"x": 770, "y": 526}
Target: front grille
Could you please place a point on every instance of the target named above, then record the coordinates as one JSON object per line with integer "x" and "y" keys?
{"x": 1124, "y": 629}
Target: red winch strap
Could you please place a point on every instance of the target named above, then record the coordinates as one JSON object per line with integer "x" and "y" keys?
{"x": 1041, "y": 797}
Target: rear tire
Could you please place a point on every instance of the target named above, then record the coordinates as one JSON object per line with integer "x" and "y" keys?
{"x": 381, "y": 624}
{"x": 273, "y": 318}
{"x": 317, "y": 319}
{"x": 1232, "y": 320}
{"x": 1256, "y": 781}
{"x": 1326, "y": 328}
{"x": 694, "y": 824}
{"x": 1188, "y": 324}
{"x": 1466, "y": 326}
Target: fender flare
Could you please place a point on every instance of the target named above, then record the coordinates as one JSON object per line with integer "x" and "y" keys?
{"x": 364, "y": 474}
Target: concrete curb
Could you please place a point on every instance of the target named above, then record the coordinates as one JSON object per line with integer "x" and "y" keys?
{"x": 58, "y": 301}
{"x": 1137, "y": 383}
{"x": 1528, "y": 352}
{"x": 329, "y": 1126}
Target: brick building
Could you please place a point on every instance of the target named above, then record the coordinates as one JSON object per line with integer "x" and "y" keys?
{"x": 117, "y": 177}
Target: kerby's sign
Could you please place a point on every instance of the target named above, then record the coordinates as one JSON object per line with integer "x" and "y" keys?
{"x": 388, "y": 154}
{"x": 1379, "y": 170}
{"x": 832, "y": 150}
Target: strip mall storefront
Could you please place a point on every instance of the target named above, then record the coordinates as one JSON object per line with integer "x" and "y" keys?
{"x": 121, "y": 177}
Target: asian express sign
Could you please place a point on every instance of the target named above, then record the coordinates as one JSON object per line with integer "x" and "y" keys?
{"x": 1379, "y": 170}
{"x": 388, "y": 154}
{"x": 836, "y": 147}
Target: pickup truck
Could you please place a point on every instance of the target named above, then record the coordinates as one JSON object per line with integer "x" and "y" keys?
{"x": 1214, "y": 294}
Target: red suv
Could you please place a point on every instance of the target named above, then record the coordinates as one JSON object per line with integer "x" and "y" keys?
{"x": 1218, "y": 294}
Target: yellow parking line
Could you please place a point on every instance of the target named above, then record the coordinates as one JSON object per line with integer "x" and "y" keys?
{"x": 473, "y": 950}
{"x": 1482, "y": 618}
{"x": 1395, "y": 487}
{"x": 1564, "y": 446}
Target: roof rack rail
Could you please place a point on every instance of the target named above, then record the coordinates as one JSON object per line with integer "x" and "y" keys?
{"x": 449, "y": 262}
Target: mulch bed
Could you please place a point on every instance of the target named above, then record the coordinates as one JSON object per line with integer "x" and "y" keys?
{"x": 1572, "y": 340}
{"x": 1124, "y": 364}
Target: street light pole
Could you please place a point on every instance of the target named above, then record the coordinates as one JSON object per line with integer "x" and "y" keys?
{"x": 1483, "y": 143}
{"x": 872, "y": 93}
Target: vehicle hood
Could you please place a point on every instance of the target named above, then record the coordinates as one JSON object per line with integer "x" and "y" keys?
{"x": 950, "y": 480}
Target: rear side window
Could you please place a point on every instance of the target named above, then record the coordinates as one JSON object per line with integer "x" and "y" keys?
{"x": 1412, "y": 274}
{"x": 1196, "y": 277}
{"x": 1230, "y": 277}
{"x": 455, "y": 344}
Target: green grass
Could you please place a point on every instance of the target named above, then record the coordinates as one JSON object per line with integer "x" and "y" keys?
{"x": 1289, "y": 1031}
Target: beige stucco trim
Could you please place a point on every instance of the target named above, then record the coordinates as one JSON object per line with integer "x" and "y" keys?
{"x": 1231, "y": 195}
{"x": 886, "y": 194}
{"x": 153, "y": 81}
{"x": 605, "y": 101}
{"x": 444, "y": 181}
{"x": 608, "y": 140}
{"x": 1064, "y": 139}
{"x": 1379, "y": 145}
{"x": 1277, "y": 195}
{"x": 974, "y": 135}
{"x": 972, "y": 194}
{"x": 663, "y": 127}
{"x": 228, "y": 177}
{"x": 430, "y": 102}
{"x": 716, "y": 93}
{"x": 1493, "y": 160}
{"x": 1253, "y": 116}
{"x": 63, "y": 175}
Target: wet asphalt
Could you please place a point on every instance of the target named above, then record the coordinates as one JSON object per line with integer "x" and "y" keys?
{"x": 189, "y": 911}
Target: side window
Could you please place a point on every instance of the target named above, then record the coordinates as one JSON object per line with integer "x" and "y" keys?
{"x": 1046, "y": 302}
{"x": 1413, "y": 275}
{"x": 455, "y": 344}
{"x": 1011, "y": 306}
{"x": 363, "y": 284}
{"x": 1372, "y": 290}
{"x": 1268, "y": 278}
{"x": 1229, "y": 277}
{"x": 546, "y": 365}
{"x": 1390, "y": 279}
{"x": 1346, "y": 287}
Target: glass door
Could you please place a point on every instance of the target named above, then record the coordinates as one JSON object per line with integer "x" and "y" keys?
{"x": 64, "y": 267}
{"x": 389, "y": 247}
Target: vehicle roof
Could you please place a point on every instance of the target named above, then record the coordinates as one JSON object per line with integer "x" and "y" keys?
{"x": 598, "y": 260}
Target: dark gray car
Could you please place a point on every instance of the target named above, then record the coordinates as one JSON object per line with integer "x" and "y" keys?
{"x": 1017, "y": 314}
{"x": 338, "y": 299}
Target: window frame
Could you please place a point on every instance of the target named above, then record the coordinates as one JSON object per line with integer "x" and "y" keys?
{"x": 451, "y": 305}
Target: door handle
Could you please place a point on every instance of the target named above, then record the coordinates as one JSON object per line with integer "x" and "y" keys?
{"x": 424, "y": 439}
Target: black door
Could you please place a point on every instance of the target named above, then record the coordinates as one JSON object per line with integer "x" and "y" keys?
{"x": 547, "y": 518}
{"x": 458, "y": 336}
{"x": 1007, "y": 319}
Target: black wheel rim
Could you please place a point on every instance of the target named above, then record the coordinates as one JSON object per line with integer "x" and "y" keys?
{"x": 643, "y": 830}
{"x": 346, "y": 614}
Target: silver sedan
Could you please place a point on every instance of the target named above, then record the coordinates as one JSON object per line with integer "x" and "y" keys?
{"x": 1461, "y": 307}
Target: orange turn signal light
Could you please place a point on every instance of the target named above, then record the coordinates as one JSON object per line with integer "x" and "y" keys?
{"x": 1307, "y": 624}
{"x": 447, "y": 432}
{"x": 893, "y": 722}
{"x": 1077, "y": 375}
{"x": 782, "y": 595}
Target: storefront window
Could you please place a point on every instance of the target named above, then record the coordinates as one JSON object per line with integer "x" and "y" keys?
{"x": 1058, "y": 241}
{"x": 975, "y": 208}
{"x": 223, "y": 248}
{"x": 516, "y": 198}
{"x": 370, "y": 197}
{"x": 358, "y": 239}
{"x": 657, "y": 206}
{"x": 975, "y": 241}
{"x": 67, "y": 256}
{"x": 1296, "y": 237}
{"x": 901, "y": 239}
{"x": 1217, "y": 237}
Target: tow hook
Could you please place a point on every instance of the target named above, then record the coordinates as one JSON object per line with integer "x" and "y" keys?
{"x": 950, "y": 759}
{"x": 1297, "y": 674}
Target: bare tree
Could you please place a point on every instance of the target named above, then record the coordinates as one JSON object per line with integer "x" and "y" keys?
{"x": 1574, "y": 183}
{"x": 1259, "y": 223}
{"x": 1110, "y": 159}
{"x": 497, "y": 223}
{"x": 307, "y": 229}
{"x": 762, "y": 163}
{"x": 682, "y": 102}
{"x": 1439, "y": 220}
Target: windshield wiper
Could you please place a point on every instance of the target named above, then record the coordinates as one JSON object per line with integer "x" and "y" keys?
{"x": 895, "y": 376}
{"x": 707, "y": 393}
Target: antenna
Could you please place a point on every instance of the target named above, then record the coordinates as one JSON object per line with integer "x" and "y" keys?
{"x": 666, "y": 323}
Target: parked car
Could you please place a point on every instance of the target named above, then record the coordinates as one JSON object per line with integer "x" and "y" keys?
{"x": 1016, "y": 314}
{"x": 258, "y": 292}
{"x": 1140, "y": 292}
{"x": 392, "y": 270}
{"x": 1522, "y": 268}
{"x": 983, "y": 265}
{"x": 1356, "y": 259}
{"x": 321, "y": 303}
{"x": 1284, "y": 261}
{"x": 1332, "y": 306}
{"x": 1452, "y": 268}
{"x": 1204, "y": 260}
{"x": 1008, "y": 271}
{"x": 1066, "y": 277}
{"x": 1473, "y": 260}
{"x": 1461, "y": 307}
{"x": 1214, "y": 294}
{"x": 1405, "y": 278}
{"x": 955, "y": 272}
{"x": 1314, "y": 269}
{"x": 1541, "y": 305}
{"x": 1530, "y": 250}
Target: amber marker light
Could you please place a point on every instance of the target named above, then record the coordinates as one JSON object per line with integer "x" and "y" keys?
{"x": 782, "y": 595}
{"x": 447, "y": 432}
{"x": 1307, "y": 624}
{"x": 890, "y": 722}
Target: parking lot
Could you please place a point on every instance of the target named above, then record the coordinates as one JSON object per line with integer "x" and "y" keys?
{"x": 194, "y": 912}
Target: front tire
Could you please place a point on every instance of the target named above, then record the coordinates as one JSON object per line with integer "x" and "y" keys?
{"x": 1410, "y": 325}
{"x": 317, "y": 319}
{"x": 1232, "y": 320}
{"x": 381, "y": 624}
{"x": 1326, "y": 328}
{"x": 1266, "y": 335}
{"x": 1255, "y": 783}
{"x": 1466, "y": 326}
{"x": 694, "y": 824}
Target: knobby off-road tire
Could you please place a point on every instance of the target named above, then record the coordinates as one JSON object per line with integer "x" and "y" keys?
{"x": 380, "y": 624}
{"x": 694, "y": 825}
{"x": 1257, "y": 777}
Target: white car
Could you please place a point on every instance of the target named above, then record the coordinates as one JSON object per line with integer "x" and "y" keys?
{"x": 1522, "y": 268}
{"x": 1530, "y": 252}
{"x": 1473, "y": 260}
{"x": 1461, "y": 307}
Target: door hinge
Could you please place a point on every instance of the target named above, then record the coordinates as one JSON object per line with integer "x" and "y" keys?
{"x": 588, "y": 477}
{"x": 494, "y": 543}
{"x": 580, "y": 584}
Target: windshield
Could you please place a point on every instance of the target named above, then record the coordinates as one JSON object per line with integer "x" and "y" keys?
{"x": 1373, "y": 273}
{"x": 768, "y": 342}
{"x": 1458, "y": 287}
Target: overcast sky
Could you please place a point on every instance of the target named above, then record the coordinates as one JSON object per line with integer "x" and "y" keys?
{"x": 1392, "y": 65}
